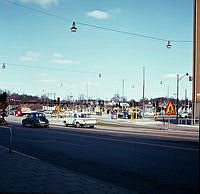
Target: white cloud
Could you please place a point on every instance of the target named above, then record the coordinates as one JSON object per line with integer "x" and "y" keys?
{"x": 64, "y": 61}
{"x": 42, "y": 3}
{"x": 170, "y": 75}
{"x": 57, "y": 55}
{"x": 173, "y": 75}
{"x": 98, "y": 14}
{"x": 30, "y": 56}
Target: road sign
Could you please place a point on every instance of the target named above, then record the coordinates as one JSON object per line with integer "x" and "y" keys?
{"x": 170, "y": 109}
{"x": 57, "y": 108}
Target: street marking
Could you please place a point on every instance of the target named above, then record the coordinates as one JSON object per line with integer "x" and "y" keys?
{"x": 135, "y": 142}
{"x": 141, "y": 133}
{"x": 132, "y": 142}
{"x": 49, "y": 141}
{"x": 80, "y": 145}
{"x": 159, "y": 134}
{"x": 38, "y": 141}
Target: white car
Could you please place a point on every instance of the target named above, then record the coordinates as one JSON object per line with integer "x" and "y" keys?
{"x": 81, "y": 120}
{"x": 149, "y": 114}
{"x": 185, "y": 115}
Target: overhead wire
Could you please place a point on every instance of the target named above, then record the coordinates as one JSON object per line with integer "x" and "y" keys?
{"x": 91, "y": 25}
{"x": 48, "y": 68}
{"x": 100, "y": 73}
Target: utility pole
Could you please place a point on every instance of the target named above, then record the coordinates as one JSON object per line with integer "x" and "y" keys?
{"x": 185, "y": 94}
{"x": 167, "y": 91}
{"x": 143, "y": 92}
{"x": 177, "y": 100}
{"x": 87, "y": 91}
{"x": 122, "y": 94}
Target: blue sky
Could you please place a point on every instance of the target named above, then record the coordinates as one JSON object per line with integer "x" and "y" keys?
{"x": 43, "y": 56}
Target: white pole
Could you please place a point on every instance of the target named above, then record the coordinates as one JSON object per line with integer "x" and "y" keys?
{"x": 122, "y": 94}
{"x": 143, "y": 92}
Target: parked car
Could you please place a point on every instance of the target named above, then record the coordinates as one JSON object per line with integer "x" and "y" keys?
{"x": 149, "y": 114}
{"x": 114, "y": 115}
{"x": 121, "y": 115}
{"x": 4, "y": 113}
{"x": 185, "y": 115}
{"x": 22, "y": 111}
{"x": 35, "y": 119}
{"x": 10, "y": 112}
{"x": 124, "y": 115}
{"x": 81, "y": 120}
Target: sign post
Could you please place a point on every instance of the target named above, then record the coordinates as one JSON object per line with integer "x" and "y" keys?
{"x": 170, "y": 110}
{"x": 57, "y": 111}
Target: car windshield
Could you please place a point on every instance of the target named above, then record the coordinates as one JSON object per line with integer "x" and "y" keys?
{"x": 38, "y": 115}
{"x": 85, "y": 116}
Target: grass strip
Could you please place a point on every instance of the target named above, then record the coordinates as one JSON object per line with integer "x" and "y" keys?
{"x": 105, "y": 124}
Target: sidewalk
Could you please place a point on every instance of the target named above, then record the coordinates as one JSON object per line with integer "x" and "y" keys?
{"x": 152, "y": 124}
{"x": 25, "y": 174}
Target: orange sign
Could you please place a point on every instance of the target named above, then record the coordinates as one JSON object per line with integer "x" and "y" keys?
{"x": 57, "y": 108}
{"x": 170, "y": 110}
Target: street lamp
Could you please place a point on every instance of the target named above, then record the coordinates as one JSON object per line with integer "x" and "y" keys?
{"x": 73, "y": 28}
{"x": 3, "y": 66}
{"x": 168, "y": 45}
{"x": 177, "y": 100}
{"x": 123, "y": 95}
{"x": 143, "y": 89}
{"x": 167, "y": 88}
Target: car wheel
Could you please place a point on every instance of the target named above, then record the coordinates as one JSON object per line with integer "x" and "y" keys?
{"x": 32, "y": 124}
{"x": 78, "y": 125}
{"x": 23, "y": 124}
{"x": 91, "y": 126}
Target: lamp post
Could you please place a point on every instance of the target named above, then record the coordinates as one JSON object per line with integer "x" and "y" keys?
{"x": 73, "y": 28}
{"x": 167, "y": 88}
{"x": 123, "y": 95}
{"x": 143, "y": 88}
{"x": 177, "y": 95}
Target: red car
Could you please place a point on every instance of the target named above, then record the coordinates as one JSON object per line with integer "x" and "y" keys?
{"x": 18, "y": 113}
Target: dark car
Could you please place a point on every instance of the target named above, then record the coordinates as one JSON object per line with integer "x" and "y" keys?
{"x": 4, "y": 113}
{"x": 124, "y": 115}
{"x": 121, "y": 115}
{"x": 35, "y": 119}
{"x": 114, "y": 115}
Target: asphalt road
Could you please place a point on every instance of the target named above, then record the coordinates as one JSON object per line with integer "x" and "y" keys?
{"x": 147, "y": 161}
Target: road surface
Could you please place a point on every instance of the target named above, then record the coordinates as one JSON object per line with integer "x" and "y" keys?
{"x": 143, "y": 160}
